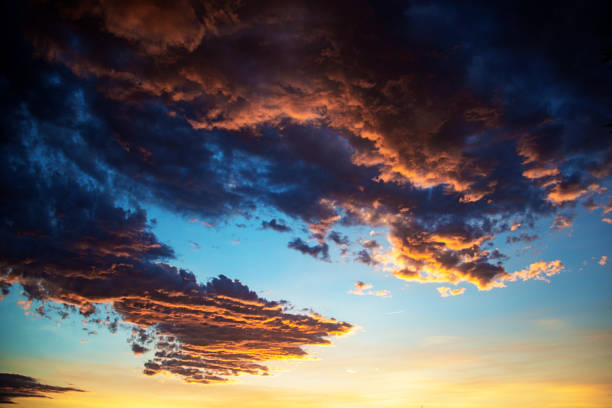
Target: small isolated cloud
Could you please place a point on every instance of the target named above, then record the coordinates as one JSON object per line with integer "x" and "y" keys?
{"x": 138, "y": 349}
{"x": 382, "y": 293}
{"x": 275, "y": 225}
{"x": 590, "y": 204}
{"x": 194, "y": 220}
{"x": 524, "y": 237}
{"x": 515, "y": 225}
{"x": 561, "y": 222}
{"x": 20, "y": 386}
{"x": 607, "y": 220}
{"x": 603, "y": 260}
{"x": 338, "y": 239}
{"x": 370, "y": 244}
{"x": 445, "y": 291}
{"x": 608, "y": 207}
{"x": 364, "y": 257}
{"x": 320, "y": 251}
{"x": 194, "y": 245}
{"x": 361, "y": 288}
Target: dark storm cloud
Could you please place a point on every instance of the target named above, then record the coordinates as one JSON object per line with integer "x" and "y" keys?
{"x": 65, "y": 240}
{"x": 20, "y": 386}
{"x": 437, "y": 121}
{"x": 98, "y": 254}
{"x": 275, "y": 225}
{"x": 68, "y": 243}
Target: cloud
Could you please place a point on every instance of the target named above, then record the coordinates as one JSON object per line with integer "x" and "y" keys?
{"x": 152, "y": 27}
{"x": 338, "y": 239}
{"x": 69, "y": 243}
{"x": 370, "y": 244}
{"x": 320, "y": 251}
{"x": 607, "y": 208}
{"x": 561, "y": 222}
{"x": 590, "y": 205}
{"x": 538, "y": 271}
{"x": 445, "y": 291}
{"x": 20, "y": 386}
{"x": 138, "y": 349}
{"x": 276, "y": 226}
{"x": 603, "y": 261}
{"x": 361, "y": 288}
{"x": 331, "y": 124}
{"x": 364, "y": 257}
{"x": 524, "y": 237}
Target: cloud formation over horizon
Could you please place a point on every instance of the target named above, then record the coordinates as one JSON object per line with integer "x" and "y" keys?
{"x": 331, "y": 115}
{"x": 66, "y": 242}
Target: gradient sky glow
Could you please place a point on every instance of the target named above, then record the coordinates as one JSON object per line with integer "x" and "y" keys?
{"x": 302, "y": 204}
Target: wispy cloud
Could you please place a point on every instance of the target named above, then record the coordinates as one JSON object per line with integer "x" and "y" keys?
{"x": 361, "y": 288}
{"x": 275, "y": 225}
{"x": 20, "y": 386}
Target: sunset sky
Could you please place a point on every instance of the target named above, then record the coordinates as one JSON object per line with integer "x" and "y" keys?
{"x": 306, "y": 204}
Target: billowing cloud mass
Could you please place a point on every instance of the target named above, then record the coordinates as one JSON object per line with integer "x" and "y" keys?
{"x": 68, "y": 243}
{"x": 20, "y": 386}
{"x": 387, "y": 121}
{"x": 408, "y": 117}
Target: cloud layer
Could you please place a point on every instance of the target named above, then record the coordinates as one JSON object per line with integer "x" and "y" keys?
{"x": 333, "y": 115}
{"x": 66, "y": 241}
{"x": 432, "y": 121}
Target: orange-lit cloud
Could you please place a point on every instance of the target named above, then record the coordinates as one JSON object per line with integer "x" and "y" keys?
{"x": 319, "y": 123}
{"x": 561, "y": 222}
{"x": 445, "y": 291}
{"x": 538, "y": 271}
{"x": 97, "y": 255}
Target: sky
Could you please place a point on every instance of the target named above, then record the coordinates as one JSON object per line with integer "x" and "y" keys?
{"x": 306, "y": 204}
